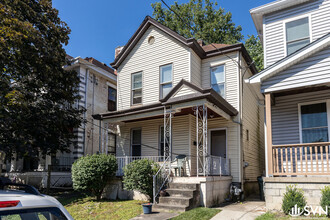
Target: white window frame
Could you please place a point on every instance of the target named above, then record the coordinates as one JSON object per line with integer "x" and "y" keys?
{"x": 327, "y": 101}
{"x": 132, "y": 90}
{"x": 164, "y": 83}
{"x": 224, "y": 73}
{"x": 294, "y": 19}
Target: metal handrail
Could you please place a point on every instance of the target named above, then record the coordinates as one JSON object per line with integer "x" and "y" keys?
{"x": 158, "y": 174}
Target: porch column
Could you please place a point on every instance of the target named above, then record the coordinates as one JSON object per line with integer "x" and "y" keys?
{"x": 201, "y": 136}
{"x": 167, "y": 133}
{"x": 268, "y": 105}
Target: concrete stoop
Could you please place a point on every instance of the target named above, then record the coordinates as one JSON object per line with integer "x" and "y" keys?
{"x": 182, "y": 197}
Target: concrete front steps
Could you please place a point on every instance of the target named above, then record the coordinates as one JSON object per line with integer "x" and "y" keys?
{"x": 182, "y": 197}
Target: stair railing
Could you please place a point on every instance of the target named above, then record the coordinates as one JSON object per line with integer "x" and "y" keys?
{"x": 161, "y": 178}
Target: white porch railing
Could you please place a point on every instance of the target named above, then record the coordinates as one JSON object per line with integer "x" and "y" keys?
{"x": 218, "y": 166}
{"x": 123, "y": 161}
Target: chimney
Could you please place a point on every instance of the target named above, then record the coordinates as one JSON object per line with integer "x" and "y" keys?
{"x": 200, "y": 42}
{"x": 117, "y": 51}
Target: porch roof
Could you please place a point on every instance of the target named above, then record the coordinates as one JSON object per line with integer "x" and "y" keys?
{"x": 207, "y": 96}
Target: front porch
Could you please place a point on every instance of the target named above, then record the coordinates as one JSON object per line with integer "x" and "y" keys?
{"x": 297, "y": 132}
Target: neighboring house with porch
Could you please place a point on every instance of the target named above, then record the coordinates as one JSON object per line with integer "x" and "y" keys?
{"x": 177, "y": 96}
{"x": 97, "y": 89}
{"x": 295, "y": 83}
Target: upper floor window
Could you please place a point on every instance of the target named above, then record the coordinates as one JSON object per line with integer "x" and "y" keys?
{"x": 165, "y": 80}
{"x": 297, "y": 34}
{"x": 218, "y": 79}
{"x": 137, "y": 88}
{"x": 112, "y": 97}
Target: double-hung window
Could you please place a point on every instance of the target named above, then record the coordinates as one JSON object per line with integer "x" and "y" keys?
{"x": 218, "y": 79}
{"x": 112, "y": 97}
{"x": 136, "y": 136}
{"x": 165, "y": 80}
{"x": 136, "y": 88}
{"x": 314, "y": 123}
{"x": 297, "y": 34}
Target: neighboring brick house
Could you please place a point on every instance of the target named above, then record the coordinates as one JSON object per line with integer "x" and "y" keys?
{"x": 98, "y": 91}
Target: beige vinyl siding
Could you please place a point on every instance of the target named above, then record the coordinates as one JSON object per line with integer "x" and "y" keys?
{"x": 196, "y": 68}
{"x": 148, "y": 58}
{"x": 274, "y": 26}
{"x": 285, "y": 116}
{"x": 311, "y": 71}
{"x": 253, "y": 123}
{"x": 231, "y": 75}
{"x": 184, "y": 91}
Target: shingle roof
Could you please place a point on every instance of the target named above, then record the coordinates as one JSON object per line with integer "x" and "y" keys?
{"x": 99, "y": 64}
{"x": 212, "y": 46}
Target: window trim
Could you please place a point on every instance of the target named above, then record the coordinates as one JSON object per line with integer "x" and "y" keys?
{"x": 131, "y": 135}
{"x": 225, "y": 78}
{"x": 160, "y": 134}
{"x": 110, "y": 87}
{"x": 327, "y": 102}
{"x": 294, "y": 19}
{"x": 160, "y": 79}
{"x": 137, "y": 104}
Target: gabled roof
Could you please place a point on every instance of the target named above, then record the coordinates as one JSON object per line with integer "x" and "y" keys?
{"x": 258, "y": 12}
{"x": 208, "y": 94}
{"x": 100, "y": 64}
{"x": 292, "y": 59}
{"x": 203, "y": 52}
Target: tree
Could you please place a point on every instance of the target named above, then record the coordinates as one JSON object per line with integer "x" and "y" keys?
{"x": 201, "y": 20}
{"x": 93, "y": 172}
{"x": 36, "y": 94}
{"x": 254, "y": 47}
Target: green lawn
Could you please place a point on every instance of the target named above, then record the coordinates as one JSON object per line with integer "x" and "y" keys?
{"x": 198, "y": 214}
{"x": 281, "y": 216}
{"x": 81, "y": 207}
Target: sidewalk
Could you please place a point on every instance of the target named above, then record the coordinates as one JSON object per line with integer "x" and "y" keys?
{"x": 156, "y": 216}
{"x": 243, "y": 211}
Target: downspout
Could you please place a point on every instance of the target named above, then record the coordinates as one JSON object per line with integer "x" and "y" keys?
{"x": 93, "y": 89}
{"x": 240, "y": 119}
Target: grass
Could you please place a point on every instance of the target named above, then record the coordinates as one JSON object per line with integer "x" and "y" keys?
{"x": 198, "y": 214}
{"x": 282, "y": 216}
{"x": 86, "y": 207}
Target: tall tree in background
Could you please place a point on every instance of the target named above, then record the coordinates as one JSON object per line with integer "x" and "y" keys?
{"x": 254, "y": 46}
{"x": 201, "y": 19}
{"x": 36, "y": 93}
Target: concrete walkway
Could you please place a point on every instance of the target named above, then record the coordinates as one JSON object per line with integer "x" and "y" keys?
{"x": 243, "y": 211}
{"x": 156, "y": 216}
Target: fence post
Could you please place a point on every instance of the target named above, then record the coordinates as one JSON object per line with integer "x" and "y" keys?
{"x": 49, "y": 170}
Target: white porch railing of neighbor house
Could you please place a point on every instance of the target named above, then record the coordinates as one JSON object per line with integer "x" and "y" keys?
{"x": 301, "y": 159}
{"x": 123, "y": 161}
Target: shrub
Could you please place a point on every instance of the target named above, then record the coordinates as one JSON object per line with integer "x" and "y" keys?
{"x": 138, "y": 176}
{"x": 325, "y": 199}
{"x": 93, "y": 172}
{"x": 293, "y": 196}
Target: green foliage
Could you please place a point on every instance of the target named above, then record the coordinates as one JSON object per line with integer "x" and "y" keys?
{"x": 200, "y": 213}
{"x": 92, "y": 173}
{"x": 254, "y": 47}
{"x": 267, "y": 216}
{"x": 138, "y": 176}
{"x": 293, "y": 196}
{"x": 36, "y": 93}
{"x": 325, "y": 199}
{"x": 200, "y": 19}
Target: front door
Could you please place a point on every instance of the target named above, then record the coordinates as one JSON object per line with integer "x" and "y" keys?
{"x": 218, "y": 143}
{"x": 136, "y": 142}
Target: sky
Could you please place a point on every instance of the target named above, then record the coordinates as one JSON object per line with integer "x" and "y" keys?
{"x": 99, "y": 26}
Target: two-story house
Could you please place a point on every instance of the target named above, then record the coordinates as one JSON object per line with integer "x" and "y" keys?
{"x": 295, "y": 83}
{"x": 178, "y": 98}
{"x": 97, "y": 89}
